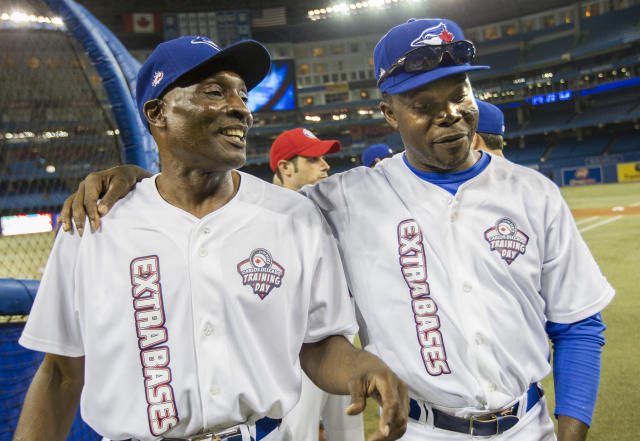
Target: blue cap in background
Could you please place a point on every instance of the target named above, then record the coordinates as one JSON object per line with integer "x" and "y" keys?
{"x": 491, "y": 119}
{"x": 374, "y": 152}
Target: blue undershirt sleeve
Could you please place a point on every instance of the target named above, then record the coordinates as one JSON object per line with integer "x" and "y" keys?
{"x": 577, "y": 349}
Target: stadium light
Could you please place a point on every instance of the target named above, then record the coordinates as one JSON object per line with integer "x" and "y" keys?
{"x": 347, "y": 8}
{"x": 20, "y": 17}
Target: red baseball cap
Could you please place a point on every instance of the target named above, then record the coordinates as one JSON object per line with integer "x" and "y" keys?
{"x": 301, "y": 142}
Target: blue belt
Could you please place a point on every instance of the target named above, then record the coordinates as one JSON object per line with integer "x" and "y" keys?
{"x": 264, "y": 427}
{"x": 483, "y": 425}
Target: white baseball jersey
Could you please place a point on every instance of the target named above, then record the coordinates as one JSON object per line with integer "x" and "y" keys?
{"x": 191, "y": 324}
{"x": 453, "y": 292}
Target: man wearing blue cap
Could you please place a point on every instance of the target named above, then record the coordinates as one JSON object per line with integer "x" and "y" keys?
{"x": 376, "y": 153}
{"x": 490, "y": 132}
{"x": 462, "y": 264}
{"x": 475, "y": 261}
{"x": 186, "y": 316}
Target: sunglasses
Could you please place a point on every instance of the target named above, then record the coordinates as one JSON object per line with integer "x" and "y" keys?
{"x": 425, "y": 58}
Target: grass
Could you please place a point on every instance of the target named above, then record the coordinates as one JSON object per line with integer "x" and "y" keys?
{"x": 616, "y": 247}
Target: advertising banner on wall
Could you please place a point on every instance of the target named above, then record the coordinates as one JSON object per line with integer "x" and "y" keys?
{"x": 628, "y": 172}
{"x": 581, "y": 176}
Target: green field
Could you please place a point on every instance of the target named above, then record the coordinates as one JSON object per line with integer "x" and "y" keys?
{"x": 616, "y": 247}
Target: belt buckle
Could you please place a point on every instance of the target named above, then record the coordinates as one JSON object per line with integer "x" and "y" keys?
{"x": 489, "y": 418}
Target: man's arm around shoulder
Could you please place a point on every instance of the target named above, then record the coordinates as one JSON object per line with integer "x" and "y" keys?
{"x": 337, "y": 367}
{"x": 52, "y": 400}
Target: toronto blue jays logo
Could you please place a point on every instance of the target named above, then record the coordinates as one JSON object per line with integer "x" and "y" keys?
{"x": 435, "y": 35}
{"x": 157, "y": 77}
{"x": 507, "y": 240}
{"x": 205, "y": 40}
{"x": 261, "y": 272}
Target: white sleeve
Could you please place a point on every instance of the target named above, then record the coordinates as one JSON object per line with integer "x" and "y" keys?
{"x": 329, "y": 197}
{"x": 53, "y": 324}
{"x": 330, "y": 307}
{"x": 573, "y": 285}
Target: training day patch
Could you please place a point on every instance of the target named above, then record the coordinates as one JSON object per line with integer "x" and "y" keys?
{"x": 506, "y": 239}
{"x": 261, "y": 272}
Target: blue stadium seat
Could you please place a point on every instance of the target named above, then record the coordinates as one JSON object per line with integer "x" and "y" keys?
{"x": 562, "y": 150}
{"x": 548, "y": 116}
{"x": 626, "y": 143}
{"x": 610, "y": 29}
{"x": 548, "y": 51}
{"x": 527, "y": 155}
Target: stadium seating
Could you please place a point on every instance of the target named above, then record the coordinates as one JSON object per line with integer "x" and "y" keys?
{"x": 548, "y": 51}
{"x": 572, "y": 148}
{"x": 626, "y": 143}
{"x": 527, "y": 155}
{"x": 547, "y": 116}
{"x": 500, "y": 62}
{"x": 613, "y": 28}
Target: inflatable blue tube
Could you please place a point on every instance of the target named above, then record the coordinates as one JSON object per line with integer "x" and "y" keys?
{"x": 16, "y": 296}
{"x": 130, "y": 67}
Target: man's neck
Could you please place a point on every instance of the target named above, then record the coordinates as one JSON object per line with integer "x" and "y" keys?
{"x": 196, "y": 192}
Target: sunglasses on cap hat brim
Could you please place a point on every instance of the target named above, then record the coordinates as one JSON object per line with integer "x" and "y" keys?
{"x": 428, "y": 57}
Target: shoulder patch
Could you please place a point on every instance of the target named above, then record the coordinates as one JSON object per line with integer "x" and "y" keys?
{"x": 506, "y": 239}
{"x": 261, "y": 272}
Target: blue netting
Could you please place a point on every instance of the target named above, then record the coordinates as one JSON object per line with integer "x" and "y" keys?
{"x": 17, "y": 366}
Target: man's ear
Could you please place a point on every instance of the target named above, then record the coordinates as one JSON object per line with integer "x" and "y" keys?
{"x": 154, "y": 112}
{"x": 285, "y": 168}
{"x": 387, "y": 111}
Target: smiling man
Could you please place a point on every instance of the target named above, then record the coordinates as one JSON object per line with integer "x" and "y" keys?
{"x": 190, "y": 315}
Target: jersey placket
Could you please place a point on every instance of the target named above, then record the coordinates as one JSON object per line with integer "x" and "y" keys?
{"x": 466, "y": 290}
{"x": 208, "y": 319}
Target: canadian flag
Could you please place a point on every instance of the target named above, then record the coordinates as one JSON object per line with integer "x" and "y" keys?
{"x": 142, "y": 22}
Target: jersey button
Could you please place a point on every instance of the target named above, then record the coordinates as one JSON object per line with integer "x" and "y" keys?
{"x": 208, "y": 330}
{"x": 454, "y": 217}
{"x": 206, "y": 230}
{"x": 492, "y": 387}
{"x": 467, "y": 287}
{"x": 214, "y": 390}
{"x": 479, "y": 339}
{"x": 202, "y": 252}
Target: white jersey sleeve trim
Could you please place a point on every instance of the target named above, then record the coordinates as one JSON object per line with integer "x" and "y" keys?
{"x": 587, "y": 311}
{"x": 36, "y": 344}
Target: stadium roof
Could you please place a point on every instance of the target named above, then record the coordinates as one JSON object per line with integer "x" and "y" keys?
{"x": 467, "y": 13}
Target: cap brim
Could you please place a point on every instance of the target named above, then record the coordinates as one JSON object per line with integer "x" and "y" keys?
{"x": 404, "y": 82}
{"x": 320, "y": 148}
{"x": 247, "y": 58}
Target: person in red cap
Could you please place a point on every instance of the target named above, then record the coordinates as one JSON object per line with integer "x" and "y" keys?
{"x": 297, "y": 158}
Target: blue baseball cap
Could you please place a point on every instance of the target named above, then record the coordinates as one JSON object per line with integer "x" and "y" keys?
{"x": 491, "y": 119}
{"x": 374, "y": 152}
{"x": 174, "y": 58}
{"x": 407, "y": 36}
